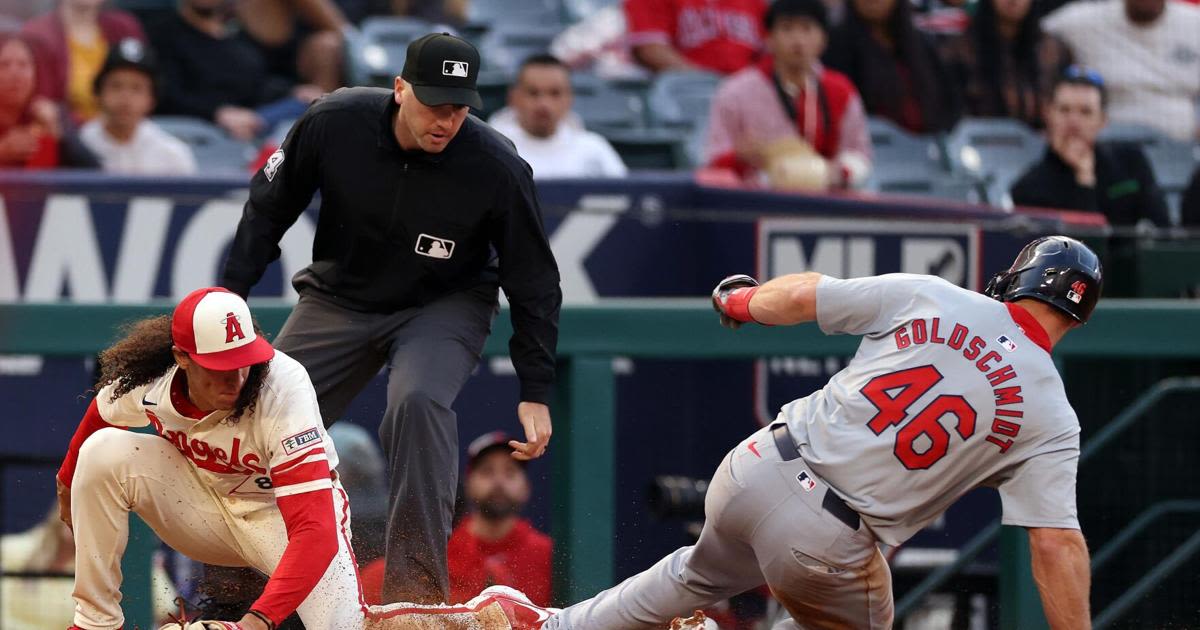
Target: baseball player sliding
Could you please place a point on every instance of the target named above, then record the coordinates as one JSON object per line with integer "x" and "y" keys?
{"x": 238, "y": 472}
{"x": 949, "y": 390}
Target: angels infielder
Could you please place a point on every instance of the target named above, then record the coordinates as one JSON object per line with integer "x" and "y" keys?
{"x": 238, "y": 472}
{"x": 949, "y": 390}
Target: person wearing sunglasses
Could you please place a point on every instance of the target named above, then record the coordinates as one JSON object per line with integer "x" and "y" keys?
{"x": 1079, "y": 173}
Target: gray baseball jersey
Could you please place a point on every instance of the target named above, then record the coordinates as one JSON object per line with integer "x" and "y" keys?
{"x": 948, "y": 391}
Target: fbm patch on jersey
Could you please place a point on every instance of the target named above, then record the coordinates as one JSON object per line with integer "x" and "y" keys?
{"x": 297, "y": 442}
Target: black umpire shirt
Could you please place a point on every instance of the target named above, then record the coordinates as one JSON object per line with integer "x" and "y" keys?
{"x": 399, "y": 229}
{"x": 1125, "y": 189}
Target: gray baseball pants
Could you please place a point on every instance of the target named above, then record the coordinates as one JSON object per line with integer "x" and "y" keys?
{"x": 429, "y": 352}
{"x": 763, "y": 523}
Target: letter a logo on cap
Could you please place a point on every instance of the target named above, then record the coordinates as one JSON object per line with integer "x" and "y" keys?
{"x": 233, "y": 328}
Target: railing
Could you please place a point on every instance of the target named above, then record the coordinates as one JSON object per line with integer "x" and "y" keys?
{"x": 585, "y": 468}
{"x": 1135, "y": 527}
{"x": 1160, "y": 572}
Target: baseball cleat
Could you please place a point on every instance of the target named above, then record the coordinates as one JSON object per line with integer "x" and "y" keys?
{"x": 522, "y": 614}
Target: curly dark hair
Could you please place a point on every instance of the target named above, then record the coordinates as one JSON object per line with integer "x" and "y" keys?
{"x": 144, "y": 354}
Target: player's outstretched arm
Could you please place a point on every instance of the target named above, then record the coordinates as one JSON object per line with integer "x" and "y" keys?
{"x": 787, "y": 300}
{"x": 1061, "y": 569}
{"x": 783, "y": 301}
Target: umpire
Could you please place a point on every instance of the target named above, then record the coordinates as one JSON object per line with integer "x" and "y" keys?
{"x": 425, "y": 211}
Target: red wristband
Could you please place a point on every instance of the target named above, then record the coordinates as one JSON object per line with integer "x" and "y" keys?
{"x": 737, "y": 305}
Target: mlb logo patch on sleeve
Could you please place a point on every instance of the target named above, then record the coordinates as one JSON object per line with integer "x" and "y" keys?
{"x": 301, "y": 440}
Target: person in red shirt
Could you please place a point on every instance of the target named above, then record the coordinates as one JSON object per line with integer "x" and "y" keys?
{"x": 717, "y": 35}
{"x": 493, "y": 544}
{"x": 32, "y": 134}
{"x": 788, "y": 96}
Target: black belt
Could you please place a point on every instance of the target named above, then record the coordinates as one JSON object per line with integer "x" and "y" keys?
{"x": 832, "y": 502}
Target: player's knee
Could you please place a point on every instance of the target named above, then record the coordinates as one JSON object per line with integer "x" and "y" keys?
{"x": 415, "y": 402}
{"x": 104, "y": 450}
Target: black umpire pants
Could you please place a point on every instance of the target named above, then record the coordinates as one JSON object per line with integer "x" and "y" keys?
{"x": 428, "y": 353}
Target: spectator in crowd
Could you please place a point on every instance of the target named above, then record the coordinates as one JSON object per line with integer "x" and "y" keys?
{"x": 448, "y": 12}
{"x": 717, "y": 35}
{"x": 71, "y": 43}
{"x": 364, "y": 476}
{"x": 32, "y": 603}
{"x": 32, "y": 133}
{"x": 547, "y": 134}
{"x": 1005, "y": 62}
{"x": 1079, "y": 173}
{"x": 1190, "y": 208}
{"x": 1148, "y": 52}
{"x": 299, "y": 39}
{"x": 895, "y": 67}
{"x": 493, "y": 544}
{"x": 214, "y": 73}
{"x": 788, "y": 95}
{"x": 15, "y": 12}
{"x": 121, "y": 136}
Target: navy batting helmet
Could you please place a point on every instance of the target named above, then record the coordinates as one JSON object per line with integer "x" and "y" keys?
{"x": 1057, "y": 270}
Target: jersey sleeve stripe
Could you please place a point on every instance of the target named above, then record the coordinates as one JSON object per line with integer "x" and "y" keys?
{"x": 300, "y": 474}
{"x": 303, "y": 458}
{"x": 301, "y": 488}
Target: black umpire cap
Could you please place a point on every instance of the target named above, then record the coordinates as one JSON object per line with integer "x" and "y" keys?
{"x": 442, "y": 70}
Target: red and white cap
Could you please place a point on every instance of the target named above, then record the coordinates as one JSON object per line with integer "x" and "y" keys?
{"x": 213, "y": 326}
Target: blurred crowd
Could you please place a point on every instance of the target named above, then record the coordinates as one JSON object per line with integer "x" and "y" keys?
{"x": 790, "y": 93}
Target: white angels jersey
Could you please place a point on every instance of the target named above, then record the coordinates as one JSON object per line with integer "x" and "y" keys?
{"x": 947, "y": 392}
{"x": 250, "y": 462}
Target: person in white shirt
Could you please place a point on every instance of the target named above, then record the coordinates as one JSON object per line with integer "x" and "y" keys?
{"x": 547, "y": 134}
{"x": 121, "y": 136}
{"x": 1149, "y": 54}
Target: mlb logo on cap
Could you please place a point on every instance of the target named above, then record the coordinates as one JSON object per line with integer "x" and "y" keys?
{"x": 453, "y": 68}
{"x": 442, "y": 69}
{"x": 213, "y": 326}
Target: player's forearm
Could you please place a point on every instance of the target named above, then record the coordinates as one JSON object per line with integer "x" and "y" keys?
{"x": 1063, "y": 576}
{"x": 312, "y": 545}
{"x": 786, "y": 300}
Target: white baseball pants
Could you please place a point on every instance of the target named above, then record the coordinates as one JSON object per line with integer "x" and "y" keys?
{"x": 121, "y": 471}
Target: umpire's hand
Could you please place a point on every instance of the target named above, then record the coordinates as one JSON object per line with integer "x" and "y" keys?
{"x": 535, "y": 417}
